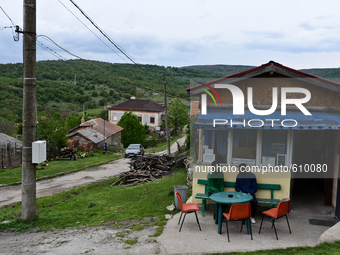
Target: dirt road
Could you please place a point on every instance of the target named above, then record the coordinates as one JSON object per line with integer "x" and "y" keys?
{"x": 105, "y": 239}
{"x": 12, "y": 194}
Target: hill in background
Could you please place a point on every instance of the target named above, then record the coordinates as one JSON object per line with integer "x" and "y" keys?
{"x": 75, "y": 84}
{"x": 332, "y": 74}
{"x": 223, "y": 70}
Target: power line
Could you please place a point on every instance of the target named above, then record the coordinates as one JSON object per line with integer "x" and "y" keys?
{"x": 113, "y": 42}
{"x": 16, "y": 38}
{"x": 91, "y": 30}
{"x": 146, "y": 87}
{"x": 50, "y": 50}
{"x": 15, "y": 35}
{"x": 7, "y": 16}
{"x": 2, "y": 28}
{"x": 110, "y": 39}
{"x": 104, "y": 34}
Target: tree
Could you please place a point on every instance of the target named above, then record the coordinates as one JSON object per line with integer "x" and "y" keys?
{"x": 104, "y": 114}
{"x": 51, "y": 127}
{"x": 134, "y": 131}
{"x": 177, "y": 114}
{"x": 7, "y": 126}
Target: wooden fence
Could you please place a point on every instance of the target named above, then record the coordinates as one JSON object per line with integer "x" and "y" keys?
{"x": 10, "y": 156}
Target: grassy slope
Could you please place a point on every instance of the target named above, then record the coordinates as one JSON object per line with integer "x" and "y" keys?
{"x": 56, "y": 168}
{"x": 98, "y": 203}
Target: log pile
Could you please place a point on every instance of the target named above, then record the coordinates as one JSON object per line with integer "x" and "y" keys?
{"x": 65, "y": 154}
{"x": 149, "y": 167}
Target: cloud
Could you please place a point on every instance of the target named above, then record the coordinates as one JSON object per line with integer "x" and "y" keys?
{"x": 175, "y": 32}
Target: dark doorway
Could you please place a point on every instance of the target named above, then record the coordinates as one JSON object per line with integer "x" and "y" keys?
{"x": 337, "y": 206}
{"x": 310, "y": 148}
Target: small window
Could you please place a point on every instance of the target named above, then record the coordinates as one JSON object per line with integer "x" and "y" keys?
{"x": 140, "y": 119}
{"x": 152, "y": 120}
{"x": 244, "y": 146}
{"x": 208, "y": 153}
{"x": 114, "y": 116}
{"x": 274, "y": 147}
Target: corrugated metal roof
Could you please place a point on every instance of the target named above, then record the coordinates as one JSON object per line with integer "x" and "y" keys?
{"x": 91, "y": 135}
{"x": 316, "y": 121}
{"x": 4, "y": 139}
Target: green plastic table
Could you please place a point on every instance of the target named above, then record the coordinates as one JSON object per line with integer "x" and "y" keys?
{"x": 223, "y": 198}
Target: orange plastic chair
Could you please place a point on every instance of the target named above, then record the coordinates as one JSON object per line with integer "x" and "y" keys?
{"x": 281, "y": 210}
{"x": 239, "y": 212}
{"x": 187, "y": 208}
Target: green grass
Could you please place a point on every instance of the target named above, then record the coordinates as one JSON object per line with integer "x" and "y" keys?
{"x": 131, "y": 241}
{"x": 322, "y": 249}
{"x": 111, "y": 205}
{"x": 94, "y": 112}
{"x": 162, "y": 146}
{"x": 58, "y": 167}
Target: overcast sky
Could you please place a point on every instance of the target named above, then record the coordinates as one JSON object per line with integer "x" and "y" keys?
{"x": 296, "y": 33}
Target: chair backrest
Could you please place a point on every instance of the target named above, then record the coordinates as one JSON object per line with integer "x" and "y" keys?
{"x": 283, "y": 208}
{"x": 179, "y": 200}
{"x": 240, "y": 211}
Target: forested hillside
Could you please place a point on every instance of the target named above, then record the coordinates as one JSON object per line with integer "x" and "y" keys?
{"x": 332, "y": 74}
{"x": 223, "y": 70}
{"x": 75, "y": 83}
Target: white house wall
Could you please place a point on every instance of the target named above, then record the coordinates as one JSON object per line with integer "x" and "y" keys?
{"x": 144, "y": 115}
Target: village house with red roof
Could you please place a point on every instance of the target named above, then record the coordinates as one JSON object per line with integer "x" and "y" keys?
{"x": 94, "y": 133}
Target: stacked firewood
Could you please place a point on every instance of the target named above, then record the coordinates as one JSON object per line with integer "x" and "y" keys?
{"x": 65, "y": 154}
{"x": 150, "y": 167}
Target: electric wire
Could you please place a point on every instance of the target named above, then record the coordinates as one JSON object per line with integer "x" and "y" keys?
{"x": 15, "y": 35}
{"x": 16, "y": 38}
{"x": 50, "y": 50}
{"x": 111, "y": 40}
{"x": 54, "y": 53}
{"x": 114, "y": 43}
{"x": 146, "y": 87}
{"x": 91, "y": 30}
{"x": 2, "y": 28}
{"x": 7, "y": 16}
{"x": 103, "y": 33}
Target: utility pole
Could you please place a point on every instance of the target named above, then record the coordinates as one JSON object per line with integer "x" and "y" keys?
{"x": 28, "y": 200}
{"x": 104, "y": 121}
{"x": 166, "y": 118}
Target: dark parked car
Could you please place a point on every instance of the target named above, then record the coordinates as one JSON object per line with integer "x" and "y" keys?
{"x": 133, "y": 150}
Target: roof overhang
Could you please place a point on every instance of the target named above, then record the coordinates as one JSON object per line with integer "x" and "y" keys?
{"x": 219, "y": 118}
{"x": 270, "y": 68}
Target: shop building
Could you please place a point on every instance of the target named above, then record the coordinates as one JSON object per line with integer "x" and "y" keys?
{"x": 271, "y": 116}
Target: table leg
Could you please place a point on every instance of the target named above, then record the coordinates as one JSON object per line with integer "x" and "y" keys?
{"x": 248, "y": 226}
{"x": 216, "y": 213}
{"x": 220, "y": 218}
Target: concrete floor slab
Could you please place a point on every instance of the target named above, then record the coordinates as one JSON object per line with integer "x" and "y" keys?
{"x": 192, "y": 241}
